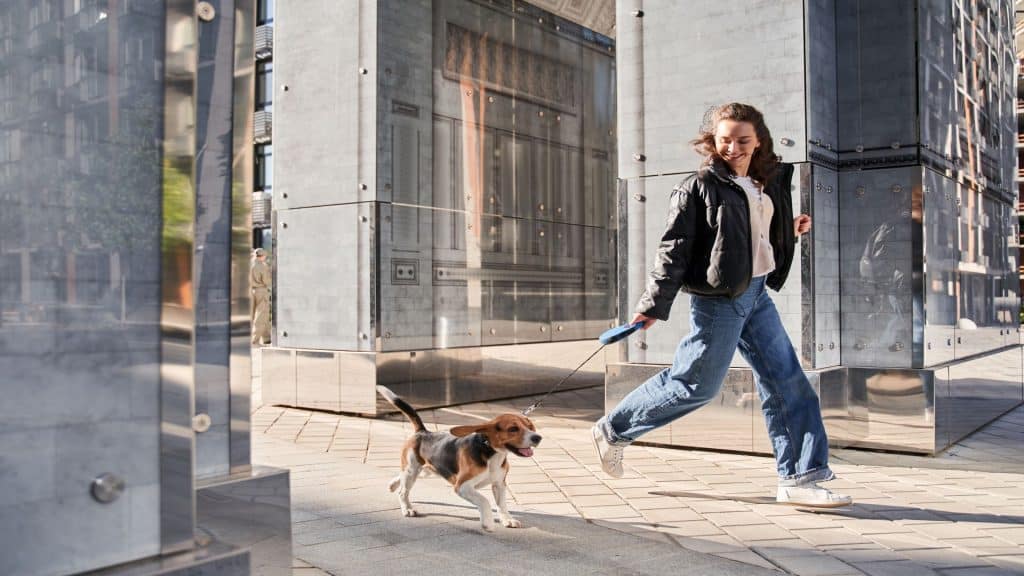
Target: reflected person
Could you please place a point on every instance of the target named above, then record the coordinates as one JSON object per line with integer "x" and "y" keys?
{"x": 260, "y": 281}
{"x": 886, "y": 283}
{"x": 731, "y": 235}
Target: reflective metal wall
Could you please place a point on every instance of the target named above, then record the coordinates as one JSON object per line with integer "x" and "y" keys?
{"x": 487, "y": 216}
{"x": 81, "y": 261}
{"x": 906, "y": 294}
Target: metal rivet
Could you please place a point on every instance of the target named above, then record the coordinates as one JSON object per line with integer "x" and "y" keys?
{"x": 818, "y": 187}
{"x": 859, "y": 148}
{"x": 493, "y": 331}
{"x": 831, "y": 345}
{"x": 860, "y": 191}
{"x": 540, "y": 207}
{"x": 205, "y": 11}
{"x": 639, "y": 157}
{"x": 362, "y": 186}
{"x": 201, "y": 422}
{"x": 490, "y": 99}
{"x": 285, "y": 333}
{"x": 364, "y": 71}
{"x": 363, "y": 218}
{"x": 895, "y": 145}
{"x": 786, "y": 141}
{"x": 541, "y": 233}
{"x": 284, "y": 87}
{"x": 639, "y": 197}
{"x": 821, "y": 347}
{"x": 641, "y": 345}
{"x": 543, "y": 328}
{"x": 284, "y": 195}
{"x": 559, "y": 327}
{"x": 541, "y": 113}
{"x": 638, "y": 13}
{"x": 469, "y": 92}
{"x": 828, "y": 190}
{"x": 362, "y": 336}
{"x": 284, "y": 225}
{"x": 106, "y": 488}
{"x": 896, "y": 188}
{"x": 387, "y": 335}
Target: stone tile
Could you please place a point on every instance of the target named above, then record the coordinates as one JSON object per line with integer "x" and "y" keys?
{"x": 814, "y": 565}
{"x": 735, "y": 518}
{"x": 1015, "y": 535}
{"x": 756, "y": 533}
{"x": 941, "y": 558}
{"x": 597, "y": 500}
{"x": 905, "y": 541}
{"x": 694, "y": 528}
{"x": 747, "y": 557}
{"x": 710, "y": 544}
{"x": 826, "y": 536}
{"x": 670, "y": 515}
{"x": 897, "y": 568}
{"x": 606, "y": 512}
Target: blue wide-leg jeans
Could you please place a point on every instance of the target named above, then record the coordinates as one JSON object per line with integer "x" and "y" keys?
{"x": 718, "y": 327}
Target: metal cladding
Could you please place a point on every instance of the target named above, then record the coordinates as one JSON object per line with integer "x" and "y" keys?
{"x": 470, "y": 204}
{"x": 901, "y": 119}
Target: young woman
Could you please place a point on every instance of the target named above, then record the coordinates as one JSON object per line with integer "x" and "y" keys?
{"x": 731, "y": 235}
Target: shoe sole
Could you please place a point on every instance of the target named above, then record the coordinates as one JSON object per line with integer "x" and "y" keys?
{"x": 805, "y": 505}
{"x": 597, "y": 450}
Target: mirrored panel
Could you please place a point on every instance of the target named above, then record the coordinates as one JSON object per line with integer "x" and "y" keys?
{"x": 83, "y": 184}
{"x": 499, "y": 174}
{"x": 875, "y": 236}
{"x": 940, "y": 232}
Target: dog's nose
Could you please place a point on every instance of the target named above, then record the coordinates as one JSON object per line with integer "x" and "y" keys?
{"x": 535, "y": 438}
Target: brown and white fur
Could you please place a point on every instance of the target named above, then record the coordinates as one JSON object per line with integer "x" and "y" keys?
{"x": 470, "y": 457}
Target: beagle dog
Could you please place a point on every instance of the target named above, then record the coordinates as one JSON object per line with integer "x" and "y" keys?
{"x": 470, "y": 457}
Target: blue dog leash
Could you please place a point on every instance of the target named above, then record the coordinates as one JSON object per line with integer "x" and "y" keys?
{"x": 607, "y": 337}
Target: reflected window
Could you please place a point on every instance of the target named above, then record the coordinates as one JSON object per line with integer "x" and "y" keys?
{"x": 92, "y": 277}
{"x": 264, "y": 167}
{"x": 264, "y": 85}
{"x": 264, "y": 12}
{"x": 10, "y": 278}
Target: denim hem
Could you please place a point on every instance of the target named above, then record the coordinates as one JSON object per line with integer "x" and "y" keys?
{"x": 609, "y": 434}
{"x": 822, "y": 474}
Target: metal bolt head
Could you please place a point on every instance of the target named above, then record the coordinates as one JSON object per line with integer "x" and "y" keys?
{"x": 201, "y": 422}
{"x": 106, "y": 488}
{"x": 205, "y": 11}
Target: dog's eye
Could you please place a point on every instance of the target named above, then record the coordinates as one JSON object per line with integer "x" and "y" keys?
{"x": 514, "y": 429}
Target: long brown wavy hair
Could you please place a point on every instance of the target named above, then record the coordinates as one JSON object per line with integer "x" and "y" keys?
{"x": 763, "y": 163}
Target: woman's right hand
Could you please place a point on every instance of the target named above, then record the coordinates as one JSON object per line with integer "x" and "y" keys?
{"x": 647, "y": 320}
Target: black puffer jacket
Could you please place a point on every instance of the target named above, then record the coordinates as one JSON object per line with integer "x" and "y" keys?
{"x": 706, "y": 248}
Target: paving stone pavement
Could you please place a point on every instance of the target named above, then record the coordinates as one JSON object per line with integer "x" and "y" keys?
{"x": 961, "y": 513}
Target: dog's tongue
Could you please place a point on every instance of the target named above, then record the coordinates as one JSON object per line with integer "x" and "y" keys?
{"x": 526, "y": 452}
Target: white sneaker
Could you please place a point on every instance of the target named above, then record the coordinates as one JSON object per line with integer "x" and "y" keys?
{"x": 609, "y": 454}
{"x": 811, "y": 495}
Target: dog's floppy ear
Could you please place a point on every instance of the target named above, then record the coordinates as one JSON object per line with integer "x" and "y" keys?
{"x": 467, "y": 430}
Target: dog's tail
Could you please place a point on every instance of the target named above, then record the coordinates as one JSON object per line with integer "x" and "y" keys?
{"x": 404, "y": 407}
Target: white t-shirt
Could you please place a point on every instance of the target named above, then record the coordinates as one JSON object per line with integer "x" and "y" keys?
{"x": 761, "y": 210}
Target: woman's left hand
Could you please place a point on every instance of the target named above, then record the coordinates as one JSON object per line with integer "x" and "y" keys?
{"x": 801, "y": 225}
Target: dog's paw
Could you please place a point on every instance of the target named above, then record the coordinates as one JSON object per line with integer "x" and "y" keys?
{"x": 511, "y": 523}
{"x": 409, "y": 512}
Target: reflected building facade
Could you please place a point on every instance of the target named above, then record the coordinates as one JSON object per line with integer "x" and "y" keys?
{"x": 125, "y": 174}
{"x": 443, "y": 200}
{"x": 900, "y": 117}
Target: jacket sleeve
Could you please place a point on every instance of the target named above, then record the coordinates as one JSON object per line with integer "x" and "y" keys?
{"x": 674, "y": 252}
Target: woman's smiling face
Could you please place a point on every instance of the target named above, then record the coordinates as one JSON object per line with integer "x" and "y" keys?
{"x": 736, "y": 142}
